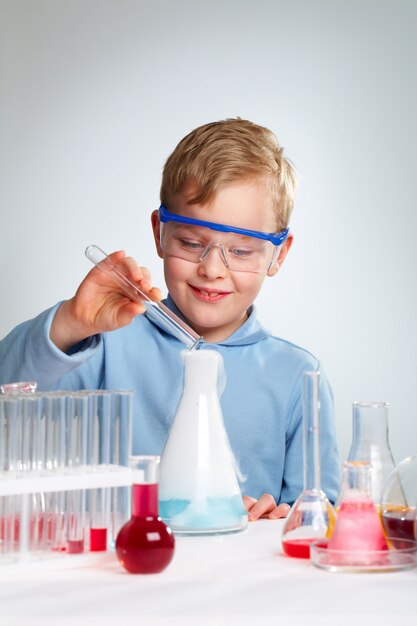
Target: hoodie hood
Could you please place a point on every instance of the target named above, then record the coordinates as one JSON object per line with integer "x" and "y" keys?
{"x": 251, "y": 330}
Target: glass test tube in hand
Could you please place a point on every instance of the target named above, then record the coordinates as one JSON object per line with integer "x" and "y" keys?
{"x": 156, "y": 310}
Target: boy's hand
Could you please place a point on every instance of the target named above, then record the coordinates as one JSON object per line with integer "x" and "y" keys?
{"x": 100, "y": 304}
{"x": 265, "y": 508}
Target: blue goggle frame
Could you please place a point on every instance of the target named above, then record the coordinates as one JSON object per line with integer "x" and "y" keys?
{"x": 275, "y": 238}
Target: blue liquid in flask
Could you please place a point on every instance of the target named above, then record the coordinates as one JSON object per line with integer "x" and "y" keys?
{"x": 215, "y": 514}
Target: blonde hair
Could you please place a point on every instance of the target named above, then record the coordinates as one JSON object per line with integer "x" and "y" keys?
{"x": 217, "y": 154}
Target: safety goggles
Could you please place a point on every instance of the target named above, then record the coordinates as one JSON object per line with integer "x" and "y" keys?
{"x": 240, "y": 249}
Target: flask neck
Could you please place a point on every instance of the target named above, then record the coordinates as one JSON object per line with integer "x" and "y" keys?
{"x": 370, "y": 423}
{"x": 356, "y": 481}
{"x": 311, "y": 430}
{"x": 145, "y": 500}
{"x": 202, "y": 372}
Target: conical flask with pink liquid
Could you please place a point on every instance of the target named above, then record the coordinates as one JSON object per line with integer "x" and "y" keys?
{"x": 358, "y": 536}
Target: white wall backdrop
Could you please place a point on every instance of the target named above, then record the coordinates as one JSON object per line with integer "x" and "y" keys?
{"x": 96, "y": 93}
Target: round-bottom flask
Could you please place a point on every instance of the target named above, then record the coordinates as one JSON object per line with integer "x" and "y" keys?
{"x": 399, "y": 501}
{"x": 145, "y": 544}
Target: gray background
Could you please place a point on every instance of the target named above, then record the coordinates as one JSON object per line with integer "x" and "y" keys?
{"x": 96, "y": 94}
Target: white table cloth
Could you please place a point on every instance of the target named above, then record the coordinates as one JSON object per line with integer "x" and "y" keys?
{"x": 211, "y": 581}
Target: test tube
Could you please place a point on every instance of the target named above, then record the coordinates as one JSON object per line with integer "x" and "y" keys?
{"x": 121, "y": 438}
{"x": 31, "y": 456}
{"x": 76, "y": 449}
{"x": 21, "y": 387}
{"x": 11, "y": 419}
{"x": 53, "y": 428}
{"x": 156, "y": 310}
{"x": 3, "y": 468}
{"x": 100, "y": 416}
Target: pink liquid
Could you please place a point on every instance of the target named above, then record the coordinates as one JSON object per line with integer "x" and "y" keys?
{"x": 75, "y": 546}
{"x": 358, "y": 532}
{"x": 298, "y": 548}
{"x": 98, "y": 539}
{"x": 38, "y": 524}
{"x": 145, "y": 545}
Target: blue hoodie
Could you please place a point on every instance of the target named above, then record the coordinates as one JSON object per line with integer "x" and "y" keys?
{"x": 261, "y": 402}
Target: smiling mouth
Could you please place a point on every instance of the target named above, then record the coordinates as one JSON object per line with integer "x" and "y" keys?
{"x": 209, "y": 294}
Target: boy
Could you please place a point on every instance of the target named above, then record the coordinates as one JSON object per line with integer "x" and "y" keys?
{"x": 222, "y": 180}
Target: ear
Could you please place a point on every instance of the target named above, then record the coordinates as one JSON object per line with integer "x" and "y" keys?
{"x": 156, "y": 232}
{"x": 285, "y": 248}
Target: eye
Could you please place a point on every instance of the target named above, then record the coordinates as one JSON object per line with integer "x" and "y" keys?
{"x": 242, "y": 253}
{"x": 190, "y": 244}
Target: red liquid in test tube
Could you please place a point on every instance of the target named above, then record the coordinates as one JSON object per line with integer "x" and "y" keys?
{"x": 98, "y": 539}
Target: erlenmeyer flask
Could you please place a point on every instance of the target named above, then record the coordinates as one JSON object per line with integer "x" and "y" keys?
{"x": 198, "y": 488}
{"x": 358, "y": 533}
{"x": 370, "y": 443}
{"x": 399, "y": 501}
{"x": 312, "y": 516}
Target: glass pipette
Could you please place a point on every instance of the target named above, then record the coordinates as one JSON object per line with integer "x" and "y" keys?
{"x": 156, "y": 310}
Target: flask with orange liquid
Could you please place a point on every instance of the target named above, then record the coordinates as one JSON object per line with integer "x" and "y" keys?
{"x": 399, "y": 502}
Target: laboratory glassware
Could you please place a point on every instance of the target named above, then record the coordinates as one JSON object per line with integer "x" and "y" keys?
{"x": 46, "y": 440}
{"x": 370, "y": 443}
{"x": 399, "y": 501}
{"x": 358, "y": 530}
{"x": 76, "y": 421}
{"x": 121, "y": 441}
{"x": 53, "y": 430}
{"x": 311, "y": 516}
{"x": 100, "y": 447}
{"x": 10, "y": 420}
{"x": 20, "y": 387}
{"x": 199, "y": 491}
{"x": 145, "y": 544}
{"x": 155, "y": 310}
{"x": 31, "y": 452}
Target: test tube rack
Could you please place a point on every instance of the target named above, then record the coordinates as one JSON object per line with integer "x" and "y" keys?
{"x": 64, "y": 475}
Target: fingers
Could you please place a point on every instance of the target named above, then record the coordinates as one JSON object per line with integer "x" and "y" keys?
{"x": 140, "y": 276}
{"x": 261, "y": 507}
{"x": 248, "y": 502}
{"x": 264, "y": 508}
{"x": 279, "y": 511}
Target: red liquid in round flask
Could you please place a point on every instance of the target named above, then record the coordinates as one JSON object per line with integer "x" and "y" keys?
{"x": 145, "y": 544}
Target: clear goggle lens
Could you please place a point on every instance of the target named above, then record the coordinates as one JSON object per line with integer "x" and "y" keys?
{"x": 239, "y": 253}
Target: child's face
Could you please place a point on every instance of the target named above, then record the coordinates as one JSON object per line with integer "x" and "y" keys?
{"x": 213, "y": 298}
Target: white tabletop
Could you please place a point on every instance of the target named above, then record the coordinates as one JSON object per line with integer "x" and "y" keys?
{"x": 211, "y": 581}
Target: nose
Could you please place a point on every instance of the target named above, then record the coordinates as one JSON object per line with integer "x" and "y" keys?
{"x": 213, "y": 262}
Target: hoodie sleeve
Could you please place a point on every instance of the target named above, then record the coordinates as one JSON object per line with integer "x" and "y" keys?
{"x": 27, "y": 353}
